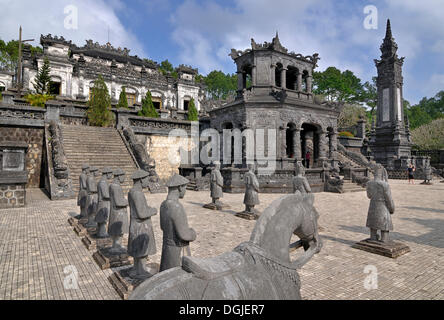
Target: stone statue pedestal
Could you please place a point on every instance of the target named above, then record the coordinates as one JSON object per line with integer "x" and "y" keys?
{"x": 253, "y": 215}
{"x": 428, "y": 183}
{"x": 80, "y": 228}
{"x": 123, "y": 282}
{"x": 107, "y": 259}
{"x": 219, "y": 205}
{"x": 390, "y": 249}
{"x": 92, "y": 242}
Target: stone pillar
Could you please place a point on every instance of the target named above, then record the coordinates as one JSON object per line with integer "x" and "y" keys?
{"x": 52, "y": 111}
{"x": 240, "y": 80}
{"x": 273, "y": 74}
{"x": 361, "y": 128}
{"x": 297, "y": 144}
{"x": 253, "y": 76}
{"x": 284, "y": 78}
{"x": 309, "y": 83}
{"x": 323, "y": 145}
{"x": 299, "y": 82}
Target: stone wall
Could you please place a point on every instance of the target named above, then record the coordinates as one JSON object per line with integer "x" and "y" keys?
{"x": 34, "y": 138}
{"x": 12, "y": 196}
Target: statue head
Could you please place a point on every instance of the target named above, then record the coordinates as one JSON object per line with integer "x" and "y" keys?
{"x": 299, "y": 169}
{"x": 179, "y": 184}
{"x": 119, "y": 175}
{"x": 216, "y": 165}
{"x": 140, "y": 176}
{"x": 379, "y": 173}
{"x": 85, "y": 168}
{"x": 107, "y": 172}
{"x": 251, "y": 167}
{"x": 94, "y": 171}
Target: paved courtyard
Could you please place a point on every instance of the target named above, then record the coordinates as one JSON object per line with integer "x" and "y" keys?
{"x": 37, "y": 246}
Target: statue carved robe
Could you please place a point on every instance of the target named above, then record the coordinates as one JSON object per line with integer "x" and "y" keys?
{"x": 381, "y": 206}
{"x": 118, "y": 218}
{"x": 217, "y": 183}
{"x": 251, "y": 189}
{"x": 91, "y": 187}
{"x": 176, "y": 233}
{"x": 141, "y": 242}
{"x": 83, "y": 194}
{"x": 301, "y": 184}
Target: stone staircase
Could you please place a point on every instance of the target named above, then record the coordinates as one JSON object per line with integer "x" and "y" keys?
{"x": 349, "y": 186}
{"x": 98, "y": 147}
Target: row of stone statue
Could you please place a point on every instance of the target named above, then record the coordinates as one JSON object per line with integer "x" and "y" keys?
{"x": 105, "y": 206}
{"x": 379, "y": 213}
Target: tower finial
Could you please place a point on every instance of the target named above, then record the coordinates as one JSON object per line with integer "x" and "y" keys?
{"x": 388, "y": 33}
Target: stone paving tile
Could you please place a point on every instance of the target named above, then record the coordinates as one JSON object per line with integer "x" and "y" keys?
{"x": 37, "y": 244}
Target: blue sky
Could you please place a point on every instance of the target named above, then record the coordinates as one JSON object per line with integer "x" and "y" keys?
{"x": 201, "y": 33}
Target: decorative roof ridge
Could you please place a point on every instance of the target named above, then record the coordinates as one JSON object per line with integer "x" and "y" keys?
{"x": 49, "y": 39}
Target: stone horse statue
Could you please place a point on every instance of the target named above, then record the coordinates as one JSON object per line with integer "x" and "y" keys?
{"x": 259, "y": 269}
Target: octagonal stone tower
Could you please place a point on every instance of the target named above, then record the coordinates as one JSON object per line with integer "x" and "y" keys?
{"x": 275, "y": 93}
{"x": 390, "y": 139}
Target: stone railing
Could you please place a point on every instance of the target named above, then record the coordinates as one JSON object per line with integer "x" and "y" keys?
{"x": 26, "y": 116}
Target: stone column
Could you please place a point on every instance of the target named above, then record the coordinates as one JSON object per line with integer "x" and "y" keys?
{"x": 323, "y": 145}
{"x": 253, "y": 76}
{"x": 284, "y": 78}
{"x": 240, "y": 80}
{"x": 273, "y": 74}
{"x": 299, "y": 82}
{"x": 297, "y": 144}
{"x": 309, "y": 83}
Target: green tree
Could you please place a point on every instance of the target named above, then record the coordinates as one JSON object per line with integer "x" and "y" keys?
{"x": 42, "y": 80}
{"x": 350, "y": 115}
{"x": 148, "y": 109}
{"x": 192, "y": 112}
{"x": 38, "y": 100}
{"x": 9, "y": 54}
{"x": 166, "y": 67}
{"x": 220, "y": 85}
{"x": 99, "y": 111}
{"x": 123, "y": 101}
{"x": 338, "y": 86}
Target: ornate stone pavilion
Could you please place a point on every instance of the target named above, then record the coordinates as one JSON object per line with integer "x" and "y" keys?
{"x": 275, "y": 92}
{"x": 74, "y": 70}
{"x": 390, "y": 138}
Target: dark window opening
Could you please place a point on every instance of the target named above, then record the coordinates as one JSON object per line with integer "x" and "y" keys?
{"x": 2, "y": 89}
{"x": 277, "y": 75}
{"x": 156, "y": 105}
{"x": 304, "y": 81}
{"x": 54, "y": 88}
{"x": 292, "y": 78}
{"x": 186, "y": 105}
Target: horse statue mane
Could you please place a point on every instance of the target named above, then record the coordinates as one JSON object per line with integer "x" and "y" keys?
{"x": 259, "y": 269}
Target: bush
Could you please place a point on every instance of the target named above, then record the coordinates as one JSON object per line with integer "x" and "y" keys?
{"x": 99, "y": 112}
{"x": 346, "y": 134}
{"x": 192, "y": 112}
{"x": 148, "y": 109}
{"x": 429, "y": 136}
{"x": 38, "y": 100}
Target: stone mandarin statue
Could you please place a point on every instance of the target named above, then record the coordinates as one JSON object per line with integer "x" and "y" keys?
{"x": 251, "y": 197}
{"x": 174, "y": 224}
{"x": 104, "y": 204}
{"x": 83, "y": 194}
{"x": 141, "y": 242}
{"x": 217, "y": 183}
{"x": 118, "y": 219}
{"x": 300, "y": 182}
{"x": 381, "y": 207}
{"x": 91, "y": 188}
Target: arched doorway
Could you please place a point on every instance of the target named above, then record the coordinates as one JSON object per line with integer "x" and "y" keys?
{"x": 291, "y": 152}
{"x": 310, "y": 144}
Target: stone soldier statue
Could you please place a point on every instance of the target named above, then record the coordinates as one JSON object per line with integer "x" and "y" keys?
{"x": 216, "y": 185}
{"x": 251, "y": 198}
{"x": 141, "y": 241}
{"x": 118, "y": 217}
{"x": 91, "y": 188}
{"x": 300, "y": 182}
{"x": 381, "y": 207}
{"x": 83, "y": 194}
{"x": 174, "y": 223}
{"x": 103, "y": 206}
{"x": 427, "y": 172}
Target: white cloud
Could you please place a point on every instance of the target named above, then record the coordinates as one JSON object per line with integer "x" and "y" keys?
{"x": 43, "y": 17}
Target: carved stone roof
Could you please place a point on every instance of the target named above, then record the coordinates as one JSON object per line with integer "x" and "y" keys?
{"x": 50, "y": 39}
{"x": 187, "y": 69}
{"x": 108, "y": 52}
{"x": 275, "y": 45}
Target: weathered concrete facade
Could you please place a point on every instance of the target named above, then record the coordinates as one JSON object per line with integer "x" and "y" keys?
{"x": 74, "y": 70}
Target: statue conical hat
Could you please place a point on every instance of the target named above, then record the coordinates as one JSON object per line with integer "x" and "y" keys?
{"x": 118, "y": 172}
{"x": 139, "y": 174}
{"x": 85, "y": 166}
{"x": 93, "y": 169}
{"x": 177, "y": 180}
{"x": 107, "y": 170}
